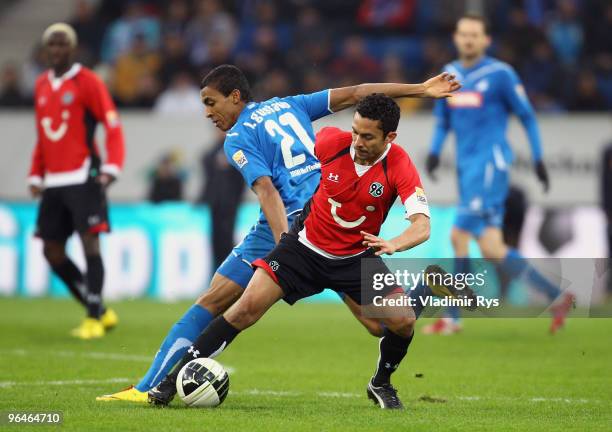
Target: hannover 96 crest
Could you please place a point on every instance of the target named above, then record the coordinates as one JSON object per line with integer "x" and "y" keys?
{"x": 376, "y": 189}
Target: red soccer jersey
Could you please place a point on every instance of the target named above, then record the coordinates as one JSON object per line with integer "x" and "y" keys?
{"x": 68, "y": 109}
{"x": 346, "y": 203}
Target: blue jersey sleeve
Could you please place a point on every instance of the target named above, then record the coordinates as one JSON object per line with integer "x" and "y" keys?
{"x": 244, "y": 154}
{"x": 442, "y": 126}
{"x": 316, "y": 105}
{"x": 516, "y": 98}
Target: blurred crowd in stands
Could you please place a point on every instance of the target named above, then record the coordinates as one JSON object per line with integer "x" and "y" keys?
{"x": 153, "y": 53}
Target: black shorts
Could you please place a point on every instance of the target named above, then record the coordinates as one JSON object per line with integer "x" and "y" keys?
{"x": 301, "y": 272}
{"x": 65, "y": 209}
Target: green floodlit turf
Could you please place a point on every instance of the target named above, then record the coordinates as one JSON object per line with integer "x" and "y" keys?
{"x": 306, "y": 368}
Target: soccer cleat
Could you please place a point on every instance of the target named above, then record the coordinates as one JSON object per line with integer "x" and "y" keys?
{"x": 130, "y": 394}
{"x": 561, "y": 310}
{"x": 447, "y": 290}
{"x": 442, "y": 326}
{"x": 384, "y": 396}
{"x": 90, "y": 328}
{"x": 165, "y": 391}
{"x": 109, "y": 319}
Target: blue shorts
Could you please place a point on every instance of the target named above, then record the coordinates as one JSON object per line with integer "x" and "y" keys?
{"x": 475, "y": 222}
{"x": 257, "y": 244}
{"x": 483, "y": 194}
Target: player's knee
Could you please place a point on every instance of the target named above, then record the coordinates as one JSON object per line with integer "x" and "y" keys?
{"x": 491, "y": 250}
{"x": 375, "y": 328}
{"x": 54, "y": 253}
{"x": 219, "y": 298}
{"x": 243, "y": 314}
{"x": 91, "y": 244}
{"x": 401, "y": 326}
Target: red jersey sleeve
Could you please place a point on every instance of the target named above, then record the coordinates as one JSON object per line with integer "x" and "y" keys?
{"x": 98, "y": 100}
{"x": 329, "y": 141}
{"x": 405, "y": 178}
{"x": 37, "y": 165}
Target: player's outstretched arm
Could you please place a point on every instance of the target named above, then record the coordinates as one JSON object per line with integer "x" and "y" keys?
{"x": 272, "y": 206}
{"x": 440, "y": 86}
{"x": 414, "y": 235}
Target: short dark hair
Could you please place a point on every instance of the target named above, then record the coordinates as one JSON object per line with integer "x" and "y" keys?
{"x": 378, "y": 106}
{"x": 476, "y": 17}
{"x": 227, "y": 78}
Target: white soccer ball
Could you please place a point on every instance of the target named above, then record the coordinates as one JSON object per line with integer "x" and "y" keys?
{"x": 202, "y": 382}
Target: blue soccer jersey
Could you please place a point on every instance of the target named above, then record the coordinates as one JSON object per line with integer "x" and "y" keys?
{"x": 478, "y": 115}
{"x": 275, "y": 139}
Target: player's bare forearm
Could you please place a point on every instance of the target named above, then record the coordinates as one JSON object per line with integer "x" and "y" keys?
{"x": 272, "y": 206}
{"x": 414, "y": 235}
{"x": 346, "y": 97}
{"x": 440, "y": 86}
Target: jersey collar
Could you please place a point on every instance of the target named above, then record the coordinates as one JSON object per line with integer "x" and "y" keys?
{"x": 56, "y": 82}
{"x": 382, "y": 156}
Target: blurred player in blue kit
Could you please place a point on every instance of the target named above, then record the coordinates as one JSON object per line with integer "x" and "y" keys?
{"x": 271, "y": 144}
{"x": 478, "y": 114}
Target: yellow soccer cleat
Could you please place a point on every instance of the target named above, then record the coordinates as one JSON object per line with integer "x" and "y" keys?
{"x": 129, "y": 394}
{"x": 90, "y": 328}
{"x": 109, "y": 319}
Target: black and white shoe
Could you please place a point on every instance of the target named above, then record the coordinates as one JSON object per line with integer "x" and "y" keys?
{"x": 165, "y": 391}
{"x": 385, "y": 396}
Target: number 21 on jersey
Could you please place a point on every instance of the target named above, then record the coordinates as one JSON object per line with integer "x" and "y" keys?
{"x": 274, "y": 129}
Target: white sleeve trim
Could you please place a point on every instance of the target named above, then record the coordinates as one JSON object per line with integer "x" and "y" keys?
{"x": 329, "y": 101}
{"x": 111, "y": 169}
{"x": 416, "y": 203}
{"x": 35, "y": 181}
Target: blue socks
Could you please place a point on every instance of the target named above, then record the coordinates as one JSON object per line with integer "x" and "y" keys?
{"x": 181, "y": 336}
{"x": 516, "y": 266}
{"x": 462, "y": 265}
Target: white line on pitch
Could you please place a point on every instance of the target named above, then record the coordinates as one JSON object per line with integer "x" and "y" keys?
{"x": 98, "y": 356}
{"x": 260, "y": 392}
{"x": 4, "y": 384}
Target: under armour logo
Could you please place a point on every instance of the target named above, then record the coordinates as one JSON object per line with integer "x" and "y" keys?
{"x": 333, "y": 177}
{"x": 194, "y": 352}
{"x": 274, "y": 265}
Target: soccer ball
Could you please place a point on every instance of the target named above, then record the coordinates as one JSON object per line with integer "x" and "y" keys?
{"x": 202, "y": 382}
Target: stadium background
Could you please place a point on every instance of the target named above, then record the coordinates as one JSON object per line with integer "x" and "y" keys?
{"x": 152, "y": 54}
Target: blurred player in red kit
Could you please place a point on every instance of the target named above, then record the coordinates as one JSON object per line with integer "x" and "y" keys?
{"x": 68, "y": 173}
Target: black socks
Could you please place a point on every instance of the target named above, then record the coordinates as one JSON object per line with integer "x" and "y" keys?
{"x": 95, "y": 280}
{"x": 217, "y": 336}
{"x": 393, "y": 349}
{"x": 70, "y": 274}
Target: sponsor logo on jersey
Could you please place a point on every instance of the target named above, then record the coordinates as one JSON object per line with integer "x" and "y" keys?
{"x": 67, "y": 98}
{"x": 240, "y": 158}
{"x": 465, "y": 99}
{"x": 376, "y": 189}
{"x": 482, "y": 85}
{"x": 333, "y": 177}
{"x": 420, "y": 195}
{"x": 274, "y": 265}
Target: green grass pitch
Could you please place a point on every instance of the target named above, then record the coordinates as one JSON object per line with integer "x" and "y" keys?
{"x": 305, "y": 368}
